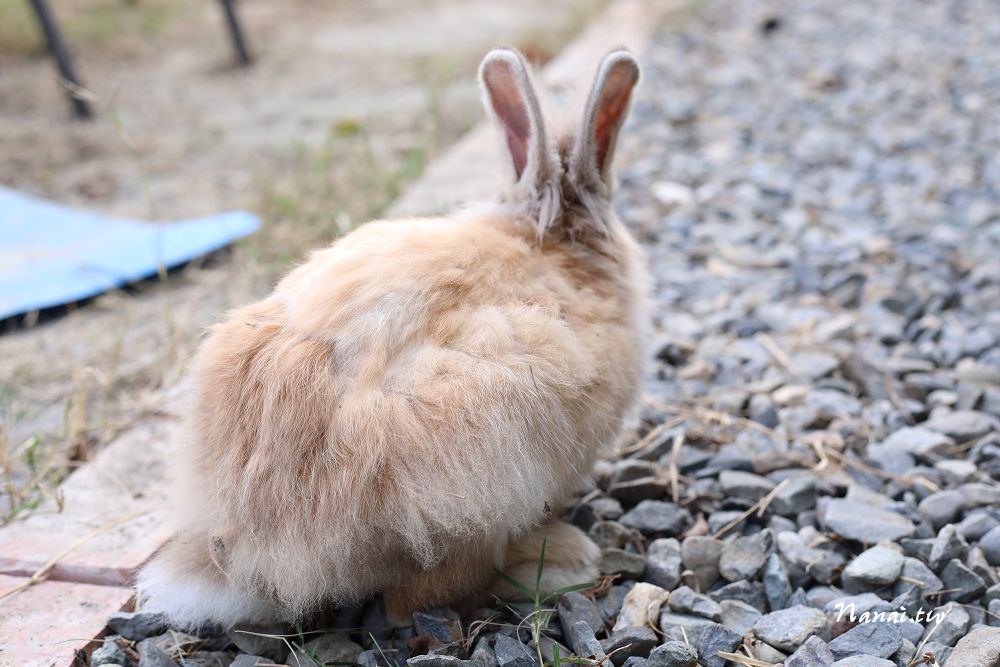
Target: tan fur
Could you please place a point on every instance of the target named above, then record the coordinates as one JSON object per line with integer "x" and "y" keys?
{"x": 406, "y": 404}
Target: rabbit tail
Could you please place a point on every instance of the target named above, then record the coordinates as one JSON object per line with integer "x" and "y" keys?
{"x": 186, "y": 581}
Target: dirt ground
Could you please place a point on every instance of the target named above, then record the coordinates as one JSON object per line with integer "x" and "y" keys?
{"x": 345, "y": 103}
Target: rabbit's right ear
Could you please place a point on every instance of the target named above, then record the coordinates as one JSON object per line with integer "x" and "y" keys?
{"x": 509, "y": 95}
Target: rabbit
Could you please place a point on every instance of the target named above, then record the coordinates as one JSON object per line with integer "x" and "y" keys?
{"x": 409, "y": 409}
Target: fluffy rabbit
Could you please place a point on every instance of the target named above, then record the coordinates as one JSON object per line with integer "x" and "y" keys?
{"x": 407, "y": 409}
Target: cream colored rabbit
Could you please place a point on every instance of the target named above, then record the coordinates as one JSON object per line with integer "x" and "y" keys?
{"x": 404, "y": 410}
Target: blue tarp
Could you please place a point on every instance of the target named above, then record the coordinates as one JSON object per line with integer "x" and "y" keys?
{"x": 52, "y": 255}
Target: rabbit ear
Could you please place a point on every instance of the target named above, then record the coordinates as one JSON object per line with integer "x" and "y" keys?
{"x": 509, "y": 95}
{"x": 607, "y": 108}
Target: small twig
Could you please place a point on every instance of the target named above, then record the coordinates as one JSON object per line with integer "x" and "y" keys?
{"x": 820, "y": 449}
{"x": 778, "y": 354}
{"x": 675, "y": 451}
{"x": 905, "y": 479}
{"x": 758, "y": 507}
{"x": 744, "y": 659}
{"x": 896, "y": 400}
{"x": 650, "y": 437}
{"x": 930, "y": 634}
{"x": 704, "y": 414}
{"x": 42, "y": 573}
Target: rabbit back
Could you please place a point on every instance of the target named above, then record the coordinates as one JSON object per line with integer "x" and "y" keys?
{"x": 420, "y": 384}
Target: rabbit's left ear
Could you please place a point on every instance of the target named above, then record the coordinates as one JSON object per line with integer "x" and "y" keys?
{"x": 509, "y": 95}
{"x": 607, "y": 108}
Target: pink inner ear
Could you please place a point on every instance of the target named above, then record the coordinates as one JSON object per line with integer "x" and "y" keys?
{"x": 511, "y": 109}
{"x": 610, "y": 110}
{"x": 518, "y": 151}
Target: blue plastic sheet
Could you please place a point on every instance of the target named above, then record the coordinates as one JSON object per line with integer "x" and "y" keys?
{"x": 52, "y": 255}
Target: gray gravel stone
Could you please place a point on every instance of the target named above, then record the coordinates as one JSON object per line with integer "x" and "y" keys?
{"x": 796, "y": 497}
{"x": 961, "y": 583}
{"x": 940, "y": 651}
{"x": 713, "y": 639}
{"x": 873, "y": 568}
{"x": 787, "y": 629}
{"x": 942, "y": 507}
{"x": 915, "y": 570}
{"x": 328, "y": 648}
{"x": 584, "y": 643}
{"x": 443, "y": 624}
{"x": 246, "y": 660}
{"x": 977, "y": 494}
{"x": 738, "y": 616}
{"x": 205, "y": 659}
{"x": 686, "y": 601}
{"x": 701, "y": 555}
{"x": 136, "y": 626}
{"x": 813, "y": 653}
{"x": 776, "y": 584}
{"x": 656, "y": 517}
{"x": 878, "y": 639}
{"x": 990, "y": 545}
{"x": 962, "y": 425}
{"x": 947, "y": 546}
{"x": 573, "y": 607}
{"x": 673, "y": 654}
{"x": 739, "y": 484}
{"x": 864, "y": 661}
{"x": 744, "y": 557}
{"x": 750, "y": 592}
{"x": 629, "y": 641}
{"x": 437, "y": 661}
{"x": 672, "y": 623}
{"x": 254, "y": 639}
{"x": 918, "y": 440}
{"x": 948, "y": 625}
{"x": 151, "y": 654}
{"x": 663, "y": 563}
{"x": 842, "y": 518}
{"x": 979, "y": 647}
{"x": 108, "y": 653}
{"x": 822, "y": 564}
{"x": 510, "y": 653}
{"x": 619, "y": 561}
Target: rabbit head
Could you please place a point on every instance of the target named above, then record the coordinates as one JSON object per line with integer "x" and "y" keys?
{"x": 562, "y": 181}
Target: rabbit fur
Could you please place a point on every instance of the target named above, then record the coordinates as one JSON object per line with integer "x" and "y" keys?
{"x": 407, "y": 409}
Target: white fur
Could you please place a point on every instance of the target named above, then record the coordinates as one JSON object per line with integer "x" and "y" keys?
{"x": 193, "y": 602}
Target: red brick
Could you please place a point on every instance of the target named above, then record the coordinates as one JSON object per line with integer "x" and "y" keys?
{"x": 46, "y": 624}
{"x": 126, "y": 477}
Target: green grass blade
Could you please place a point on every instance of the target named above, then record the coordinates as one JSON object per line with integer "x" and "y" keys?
{"x": 521, "y": 588}
{"x": 568, "y": 589}
{"x": 541, "y": 568}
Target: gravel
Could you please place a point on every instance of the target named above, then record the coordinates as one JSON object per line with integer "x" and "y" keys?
{"x": 817, "y": 187}
{"x": 673, "y": 654}
{"x": 879, "y": 639}
{"x": 137, "y": 626}
{"x": 788, "y": 629}
{"x": 874, "y": 568}
{"x": 657, "y": 517}
{"x": 686, "y": 601}
{"x": 813, "y": 653}
{"x": 663, "y": 562}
